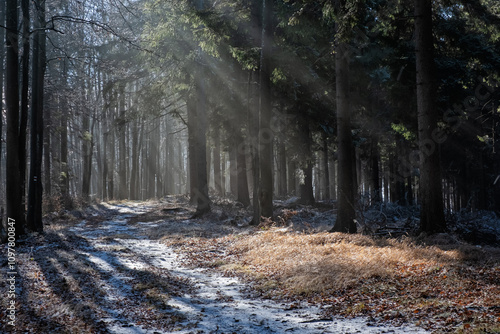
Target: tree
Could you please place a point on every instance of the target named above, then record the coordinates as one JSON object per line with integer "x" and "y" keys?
{"x": 25, "y": 76}
{"x": 34, "y": 218}
{"x": 431, "y": 198}
{"x": 121, "y": 131}
{"x": 306, "y": 183}
{"x": 345, "y": 212}
{"x": 202, "y": 199}
{"x": 15, "y": 208}
{"x": 265, "y": 132}
{"x": 134, "y": 172}
{"x": 63, "y": 140}
{"x": 2, "y": 69}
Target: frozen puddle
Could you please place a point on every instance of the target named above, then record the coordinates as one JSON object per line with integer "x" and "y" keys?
{"x": 217, "y": 304}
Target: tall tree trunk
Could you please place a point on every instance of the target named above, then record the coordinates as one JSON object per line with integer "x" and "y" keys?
{"x": 200, "y": 127}
{"x": 223, "y": 173}
{"x": 431, "y": 212}
{"x": 134, "y": 173}
{"x": 63, "y": 140}
{"x": 2, "y": 69}
{"x": 392, "y": 177}
{"x": 253, "y": 110}
{"x": 104, "y": 143}
{"x": 64, "y": 175}
{"x": 400, "y": 170}
{"x": 216, "y": 162}
{"x": 158, "y": 178}
{"x": 105, "y": 194}
{"x": 46, "y": 152}
{"x": 87, "y": 145}
{"x": 151, "y": 161}
{"x": 265, "y": 133}
{"x": 375, "y": 170}
{"x": 182, "y": 175}
{"x": 25, "y": 76}
{"x": 345, "y": 213}
{"x": 3, "y": 232}
{"x": 140, "y": 151}
{"x": 112, "y": 152}
{"x": 243, "y": 194}
{"x": 233, "y": 168}
{"x": 333, "y": 169}
{"x": 193, "y": 174}
{"x": 292, "y": 169}
{"x": 14, "y": 196}
{"x": 202, "y": 199}
{"x": 326, "y": 168}
{"x": 121, "y": 127}
{"x": 316, "y": 171}
{"x": 35, "y": 183}
{"x": 281, "y": 170}
{"x": 282, "y": 179}
{"x": 306, "y": 185}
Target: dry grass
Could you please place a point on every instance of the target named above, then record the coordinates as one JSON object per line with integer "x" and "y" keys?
{"x": 439, "y": 284}
{"x": 333, "y": 261}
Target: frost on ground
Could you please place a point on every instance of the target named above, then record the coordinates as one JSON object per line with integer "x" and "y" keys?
{"x": 107, "y": 274}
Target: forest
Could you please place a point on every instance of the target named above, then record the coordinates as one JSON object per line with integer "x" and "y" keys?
{"x": 337, "y": 153}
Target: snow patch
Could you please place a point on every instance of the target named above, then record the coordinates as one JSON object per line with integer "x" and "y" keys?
{"x": 218, "y": 304}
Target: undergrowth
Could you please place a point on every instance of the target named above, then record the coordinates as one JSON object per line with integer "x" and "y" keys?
{"x": 444, "y": 288}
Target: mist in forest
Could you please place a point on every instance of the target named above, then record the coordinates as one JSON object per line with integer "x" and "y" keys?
{"x": 355, "y": 102}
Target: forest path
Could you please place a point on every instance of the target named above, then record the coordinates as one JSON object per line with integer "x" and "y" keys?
{"x": 186, "y": 300}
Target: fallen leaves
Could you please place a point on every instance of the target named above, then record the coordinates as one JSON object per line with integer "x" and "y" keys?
{"x": 453, "y": 288}
{"x": 408, "y": 282}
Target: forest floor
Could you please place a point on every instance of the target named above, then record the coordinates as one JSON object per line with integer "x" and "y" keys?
{"x": 148, "y": 267}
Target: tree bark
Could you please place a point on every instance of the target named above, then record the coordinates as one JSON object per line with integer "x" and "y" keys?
{"x": 345, "y": 213}
{"x": 64, "y": 174}
{"x": 216, "y": 162}
{"x": 47, "y": 120}
{"x": 25, "y": 76}
{"x": 431, "y": 212}
{"x": 253, "y": 123}
{"x": 326, "y": 168}
{"x": 292, "y": 180}
{"x": 35, "y": 183}
{"x": 105, "y": 132}
{"x": 233, "y": 167}
{"x": 243, "y": 194}
{"x": 333, "y": 188}
{"x": 2, "y": 69}
{"x": 265, "y": 133}
{"x": 203, "y": 201}
{"x": 253, "y": 110}
{"x": 63, "y": 140}
{"x": 105, "y": 194}
{"x": 87, "y": 147}
{"x": 122, "y": 160}
{"x": 282, "y": 176}
{"x": 193, "y": 174}
{"x": 375, "y": 170}
{"x": 15, "y": 210}
{"x": 112, "y": 152}
{"x": 134, "y": 173}
{"x": 306, "y": 185}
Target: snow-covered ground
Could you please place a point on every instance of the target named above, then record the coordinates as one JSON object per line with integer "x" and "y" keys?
{"x": 218, "y": 304}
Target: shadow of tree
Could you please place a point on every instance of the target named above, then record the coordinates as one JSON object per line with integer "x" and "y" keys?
{"x": 90, "y": 290}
